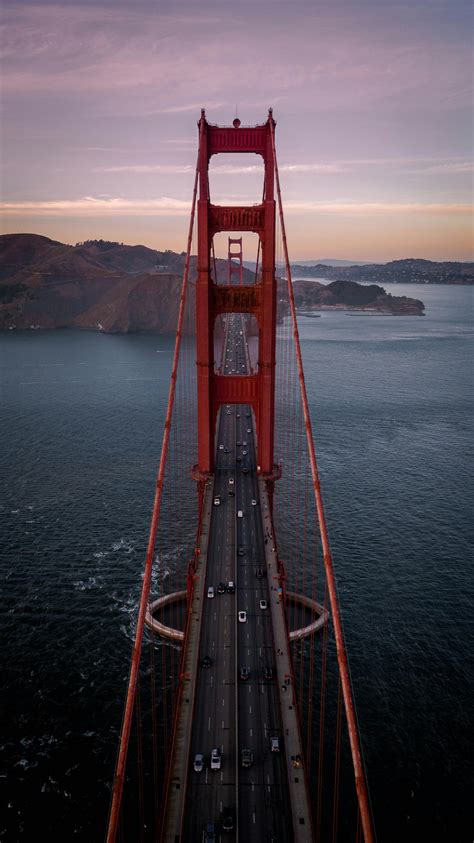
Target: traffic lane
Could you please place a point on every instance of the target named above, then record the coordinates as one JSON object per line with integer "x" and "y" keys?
{"x": 274, "y": 770}
{"x": 217, "y": 690}
{"x": 254, "y": 813}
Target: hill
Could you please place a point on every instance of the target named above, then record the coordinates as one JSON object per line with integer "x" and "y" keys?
{"x": 111, "y": 286}
{"x": 407, "y": 271}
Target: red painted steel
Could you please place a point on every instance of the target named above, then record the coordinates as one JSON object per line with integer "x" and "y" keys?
{"x": 360, "y": 779}
{"x": 259, "y": 300}
{"x": 117, "y": 789}
{"x": 234, "y": 268}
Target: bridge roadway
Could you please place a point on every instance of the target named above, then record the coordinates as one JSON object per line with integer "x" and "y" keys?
{"x": 261, "y": 791}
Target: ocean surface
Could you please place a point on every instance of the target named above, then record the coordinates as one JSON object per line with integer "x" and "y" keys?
{"x": 81, "y": 422}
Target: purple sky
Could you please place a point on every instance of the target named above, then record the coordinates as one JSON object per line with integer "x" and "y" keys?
{"x": 372, "y": 102}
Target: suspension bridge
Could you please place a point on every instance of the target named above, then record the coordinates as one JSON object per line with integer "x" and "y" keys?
{"x": 239, "y": 720}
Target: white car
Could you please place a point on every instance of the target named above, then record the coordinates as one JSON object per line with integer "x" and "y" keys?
{"x": 242, "y": 617}
{"x": 263, "y": 604}
{"x": 231, "y": 481}
{"x": 254, "y": 502}
{"x": 199, "y": 763}
{"x": 217, "y": 500}
{"x": 210, "y": 591}
{"x": 249, "y": 430}
{"x": 221, "y": 447}
{"x": 216, "y": 759}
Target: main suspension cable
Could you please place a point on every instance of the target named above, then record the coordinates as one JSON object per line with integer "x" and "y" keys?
{"x": 359, "y": 772}
{"x": 117, "y": 789}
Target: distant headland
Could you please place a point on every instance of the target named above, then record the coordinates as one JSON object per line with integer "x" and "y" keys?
{"x": 116, "y": 288}
{"x": 406, "y": 271}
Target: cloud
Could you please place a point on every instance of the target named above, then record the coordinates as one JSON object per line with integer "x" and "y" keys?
{"x": 447, "y": 168}
{"x": 181, "y": 109}
{"x": 91, "y": 206}
{"x": 163, "y": 169}
{"x": 219, "y": 169}
{"x": 377, "y": 208}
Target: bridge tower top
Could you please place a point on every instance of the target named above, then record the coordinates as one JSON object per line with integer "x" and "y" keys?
{"x": 233, "y": 255}
{"x": 213, "y": 300}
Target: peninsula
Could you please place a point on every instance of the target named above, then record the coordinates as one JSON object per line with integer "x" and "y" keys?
{"x": 113, "y": 287}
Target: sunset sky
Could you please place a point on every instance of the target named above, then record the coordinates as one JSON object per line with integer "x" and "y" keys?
{"x": 372, "y": 102}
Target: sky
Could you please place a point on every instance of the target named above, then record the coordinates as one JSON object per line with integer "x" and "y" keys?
{"x": 373, "y": 103}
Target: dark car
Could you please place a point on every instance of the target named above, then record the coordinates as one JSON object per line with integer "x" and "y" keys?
{"x": 238, "y": 459}
{"x": 221, "y": 588}
{"x": 231, "y": 493}
{"x": 228, "y": 819}
{"x": 246, "y": 758}
{"x": 244, "y": 470}
{"x": 241, "y": 551}
{"x": 244, "y": 672}
{"x": 239, "y": 443}
{"x": 209, "y": 832}
{"x": 268, "y": 673}
{"x": 259, "y": 573}
{"x": 206, "y": 662}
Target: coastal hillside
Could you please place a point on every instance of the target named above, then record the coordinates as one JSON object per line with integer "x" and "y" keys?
{"x": 114, "y": 287}
{"x": 407, "y": 271}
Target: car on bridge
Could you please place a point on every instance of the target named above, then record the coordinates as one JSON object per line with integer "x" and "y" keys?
{"x": 206, "y": 662}
{"x": 246, "y": 758}
{"x": 230, "y": 587}
{"x": 209, "y": 833}
{"x": 275, "y": 744}
{"x": 199, "y": 762}
{"x": 216, "y": 759}
{"x": 263, "y": 604}
{"x": 217, "y": 500}
{"x": 231, "y": 481}
{"x": 210, "y": 591}
{"x": 254, "y": 502}
{"x": 221, "y": 588}
{"x": 258, "y": 573}
{"x": 228, "y": 819}
{"x": 244, "y": 672}
{"x": 268, "y": 673}
{"x": 242, "y": 617}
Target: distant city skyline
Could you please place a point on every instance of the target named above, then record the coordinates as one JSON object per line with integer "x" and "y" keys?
{"x": 372, "y": 103}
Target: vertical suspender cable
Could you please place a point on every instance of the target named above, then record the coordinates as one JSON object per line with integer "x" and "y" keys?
{"x": 359, "y": 772}
{"x": 117, "y": 789}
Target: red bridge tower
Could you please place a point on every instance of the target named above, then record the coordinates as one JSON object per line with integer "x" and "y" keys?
{"x": 259, "y": 299}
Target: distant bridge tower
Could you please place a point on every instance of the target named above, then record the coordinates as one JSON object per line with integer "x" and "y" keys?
{"x": 259, "y": 299}
{"x": 234, "y": 268}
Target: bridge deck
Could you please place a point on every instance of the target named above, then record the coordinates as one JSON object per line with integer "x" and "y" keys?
{"x": 219, "y": 708}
